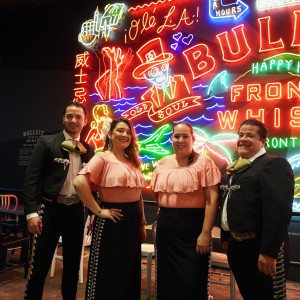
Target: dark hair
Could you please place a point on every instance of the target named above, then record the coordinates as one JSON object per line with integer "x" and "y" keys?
{"x": 132, "y": 150}
{"x": 193, "y": 155}
{"x": 77, "y": 104}
{"x": 262, "y": 129}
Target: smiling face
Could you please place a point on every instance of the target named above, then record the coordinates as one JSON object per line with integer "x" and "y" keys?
{"x": 159, "y": 75}
{"x": 121, "y": 136}
{"x": 182, "y": 140}
{"x": 249, "y": 141}
{"x": 74, "y": 120}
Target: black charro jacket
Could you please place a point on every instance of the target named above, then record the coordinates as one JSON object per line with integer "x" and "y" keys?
{"x": 47, "y": 170}
{"x": 261, "y": 201}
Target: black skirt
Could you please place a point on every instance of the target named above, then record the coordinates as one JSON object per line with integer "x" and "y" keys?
{"x": 181, "y": 272}
{"x": 114, "y": 271}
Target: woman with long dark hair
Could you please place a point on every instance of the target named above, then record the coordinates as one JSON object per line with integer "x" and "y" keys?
{"x": 185, "y": 186}
{"x": 119, "y": 227}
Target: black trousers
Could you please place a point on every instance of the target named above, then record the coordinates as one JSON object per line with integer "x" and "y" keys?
{"x": 254, "y": 285}
{"x": 58, "y": 220}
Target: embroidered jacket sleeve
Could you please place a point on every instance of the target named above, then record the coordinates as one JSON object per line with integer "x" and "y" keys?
{"x": 277, "y": 192}
{"x": 34, "y": 175}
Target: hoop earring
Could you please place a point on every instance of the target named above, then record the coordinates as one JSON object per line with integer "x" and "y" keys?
{"x": 109, "y": 146}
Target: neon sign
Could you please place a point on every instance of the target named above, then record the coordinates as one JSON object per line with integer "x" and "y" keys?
{"x": 173, "y": 19}
{"x": 269, "y": 4}
{"x": 101, "y": 26}
{"x": 219, "y": 10}
{"x": 80, "y": 93}
{"x": 212, "y": 63}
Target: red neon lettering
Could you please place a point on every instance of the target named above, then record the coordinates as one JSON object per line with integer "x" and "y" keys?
{"x": 253, "y": 91}
{"x": 80, "y": 75}
{"x": 134, "y": 29}
{"x": 147, "y": 22}
{"x": 227, "y": 119}
{"x": 80, "y": 94}
{"x": 273, "y": 91}
{"x": 293, "y": 90}
{"x": 184, "y": 18}
{"x": 81, "y": 60}
{"x": 199, "y": 60}
{"x": 265, "y": 39}
{"x": 295, "y": 115}
{"x": 234, "y": 51}
{"x": 236, "y": 92}
{"x": 296, "y": 38}
{"x": 277, "y": 117}
{"x": 174, "y": 18}
{"x": 166, "y": 17}
{"x": 260, "y": 115}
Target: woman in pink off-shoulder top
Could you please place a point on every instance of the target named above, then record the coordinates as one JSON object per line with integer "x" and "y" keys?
{"x": 119, "y": 227}
{"x": 185, "y": 186}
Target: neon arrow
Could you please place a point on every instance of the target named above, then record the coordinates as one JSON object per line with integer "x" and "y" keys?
{"x": 218, "y": 10}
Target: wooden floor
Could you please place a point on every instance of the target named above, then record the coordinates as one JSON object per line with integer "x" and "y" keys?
{"x": 12, "y": 285}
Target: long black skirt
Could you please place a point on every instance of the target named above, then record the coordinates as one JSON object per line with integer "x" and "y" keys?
{"x": 114, "y": 271}
{"x": 182, "y": 274}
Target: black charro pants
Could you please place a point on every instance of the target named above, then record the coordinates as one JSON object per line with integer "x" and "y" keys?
{"x": 58, "y": 220}
{"x": 254, "y": 285}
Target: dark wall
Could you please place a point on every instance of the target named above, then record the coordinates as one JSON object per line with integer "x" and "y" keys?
{"x": 37, "y": 57}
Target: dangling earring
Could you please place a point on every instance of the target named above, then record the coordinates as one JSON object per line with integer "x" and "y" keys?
{"x": 109, "y": 146}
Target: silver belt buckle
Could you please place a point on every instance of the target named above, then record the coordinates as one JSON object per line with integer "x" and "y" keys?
{"x": 69, "y": 200}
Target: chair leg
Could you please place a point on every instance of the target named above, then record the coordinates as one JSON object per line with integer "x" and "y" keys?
{"x": 81, "y": 266}
{"x": 149, "y": 269}
{"x": 53, "y": 263}
{"x": 232, "y": 286}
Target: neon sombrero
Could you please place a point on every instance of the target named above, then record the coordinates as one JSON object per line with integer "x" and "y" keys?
{"x": 151, "y": 54}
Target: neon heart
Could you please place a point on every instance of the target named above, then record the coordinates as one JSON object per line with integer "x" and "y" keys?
{"x": 177, "y": 36}
{"x": 187, "y": 40}
{"x": 174, "y": 46}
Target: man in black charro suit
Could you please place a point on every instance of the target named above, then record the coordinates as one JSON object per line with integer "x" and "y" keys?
{"x": 256, "y": 206}
{"x": 48, "y": 183}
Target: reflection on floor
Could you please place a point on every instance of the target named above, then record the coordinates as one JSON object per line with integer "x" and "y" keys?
{"x": 12, "y": 285}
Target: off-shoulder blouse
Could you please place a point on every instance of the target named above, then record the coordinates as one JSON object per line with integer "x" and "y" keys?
{"x": 114, "y": 180}
{"x": 183, "y": 186}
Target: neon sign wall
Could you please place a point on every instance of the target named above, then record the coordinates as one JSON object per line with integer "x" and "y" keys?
{"x": 212, "y": 63}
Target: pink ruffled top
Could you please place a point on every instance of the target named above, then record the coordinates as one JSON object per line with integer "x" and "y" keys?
{"x": 182, "y": 187}
{"x": 114, "y": 180}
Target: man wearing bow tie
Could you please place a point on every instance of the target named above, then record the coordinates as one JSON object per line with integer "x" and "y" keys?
{"x": 256, "y": 207}
{"x": 48, "y": 186}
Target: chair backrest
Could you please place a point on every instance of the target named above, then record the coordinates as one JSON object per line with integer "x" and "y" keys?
{"x": 7, "y": 201}
{"x": 87, "y": 237}
{"x": 154, "y": 233}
